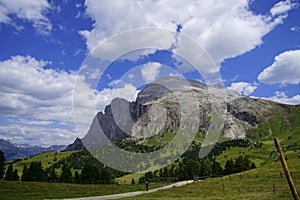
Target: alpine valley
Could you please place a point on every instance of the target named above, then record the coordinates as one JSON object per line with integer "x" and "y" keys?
{"x": 245, "y": 130}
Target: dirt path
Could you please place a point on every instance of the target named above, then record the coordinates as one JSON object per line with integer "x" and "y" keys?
{"x": 130, "y": 194}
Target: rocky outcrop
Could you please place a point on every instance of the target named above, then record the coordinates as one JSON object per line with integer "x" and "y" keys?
{"x": 76, "y": 145}
{"x": 171, "y": 103}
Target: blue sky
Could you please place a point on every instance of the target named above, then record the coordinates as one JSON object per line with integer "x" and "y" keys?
{"x": 254, "y": 44}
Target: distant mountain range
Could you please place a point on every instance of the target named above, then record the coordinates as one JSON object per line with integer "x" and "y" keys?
{"x": 14, "y": 151}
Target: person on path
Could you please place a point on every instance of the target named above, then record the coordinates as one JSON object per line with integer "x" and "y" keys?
{"x": 147, "y": 186}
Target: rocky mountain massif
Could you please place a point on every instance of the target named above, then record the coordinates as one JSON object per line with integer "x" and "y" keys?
{"x": 170, "y": 104}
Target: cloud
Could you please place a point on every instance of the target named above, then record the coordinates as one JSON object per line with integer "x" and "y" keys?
{"x": 34, "y": 134}
{"x": 282, "y": 7}
{"x": 32, "y": 10}
{"x": 218, "y": 26}
{"x": 28, "y": 89}
{"x": 281, "y": 97}
{"x": 37, "y": 103}
{"x": 243, "y": 87}
{"x": 295, "y": 28}
{"x": 150, "y": 71}
{"x": 146, "y": 41}
{"x": 37, "y": 100}
{"x": 284, "y": 70}
{"x": 104, "y": 97}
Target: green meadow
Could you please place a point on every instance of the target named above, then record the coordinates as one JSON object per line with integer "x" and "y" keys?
{"x": 266, "y": 182}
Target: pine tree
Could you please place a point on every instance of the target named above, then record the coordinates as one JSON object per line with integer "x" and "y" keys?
{"x": 9, "y": 173}
{"x": 216, "y": 168}
{"x": 77, "y": 177}
{"x": 149, "y": 175}
{"x": 35, "y": 172}
{"x": 207, "y": 167}
{"x": 66, "y": 174}
{"x": 132, "y": 181}
{"x": 106, "y": 175}
{"x": 2, "y": 164}
{"x": 242, "y": 163}
{"x": 52, "y": 175}
{"x": 229, "y": 167}
{"x": 15, "y": 175}
{"x": 24, "y": 173}
{"x": 90, "y": 173}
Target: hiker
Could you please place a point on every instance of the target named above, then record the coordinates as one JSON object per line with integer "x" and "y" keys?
{"x": 147, "y": 186}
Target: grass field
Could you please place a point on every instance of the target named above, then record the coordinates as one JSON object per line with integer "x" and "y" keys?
{"x": 265, "y": 182}
{"x": 128, "y": 178}
{"x": 10, "y": 190}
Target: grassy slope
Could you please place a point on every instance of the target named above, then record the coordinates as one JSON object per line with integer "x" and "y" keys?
{"x": 260, "y": 183}
{"x": 128, "y": 178}
{"x": 159, "y": 140}
{"x": 46, "y": 159}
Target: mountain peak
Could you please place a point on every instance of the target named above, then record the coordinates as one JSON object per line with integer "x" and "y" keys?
{"x": 76, "y": 145}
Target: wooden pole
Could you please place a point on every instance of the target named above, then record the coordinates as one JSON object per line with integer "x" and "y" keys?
{"x": 286, "y": 170}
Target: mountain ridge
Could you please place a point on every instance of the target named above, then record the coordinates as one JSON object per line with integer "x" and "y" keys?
{"x": 14, "y": 151}
{"x": 157, "y": 108}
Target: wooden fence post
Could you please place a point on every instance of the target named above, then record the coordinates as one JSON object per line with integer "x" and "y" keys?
{"x": 286, "y": 170}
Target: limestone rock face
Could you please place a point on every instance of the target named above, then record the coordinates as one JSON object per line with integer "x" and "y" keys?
{"x": 170, "y": 104}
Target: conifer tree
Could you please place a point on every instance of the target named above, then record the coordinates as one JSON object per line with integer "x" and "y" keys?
{"x": 24, "y": 176}
{"x": 16, "y": 177}
{"x": 52, "y": 175}
{"x": 9, "y": 173}
{"x": 66, "y": 174}
{"x": 35, "y": 172}
{"x": 77, "y": 177}
{"x": 2, "y": 164}
{"x": 90, "y": 174}
{"x": 229, "y": 167}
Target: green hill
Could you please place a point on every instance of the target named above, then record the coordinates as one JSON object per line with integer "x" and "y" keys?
{"x": 266, "y": 182}
{"x": 47, "y": 159}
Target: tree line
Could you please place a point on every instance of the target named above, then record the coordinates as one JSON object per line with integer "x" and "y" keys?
{"x": 189, "y": 169}
{"x": 35, "y": 172}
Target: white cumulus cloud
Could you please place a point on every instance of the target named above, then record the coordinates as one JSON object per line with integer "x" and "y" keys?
{"x": 31, "y": 10}
{"x": 218, "y": 26}
{"x": 150, "y": 71}
{"x": 243, "y": 87}
{"x": 284, "y": 70}
{"x": 37, "y": 103}
{"x": 281, "y": 97}
{"x": 282, "y": 7}
{"x": 104, "y": 97}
